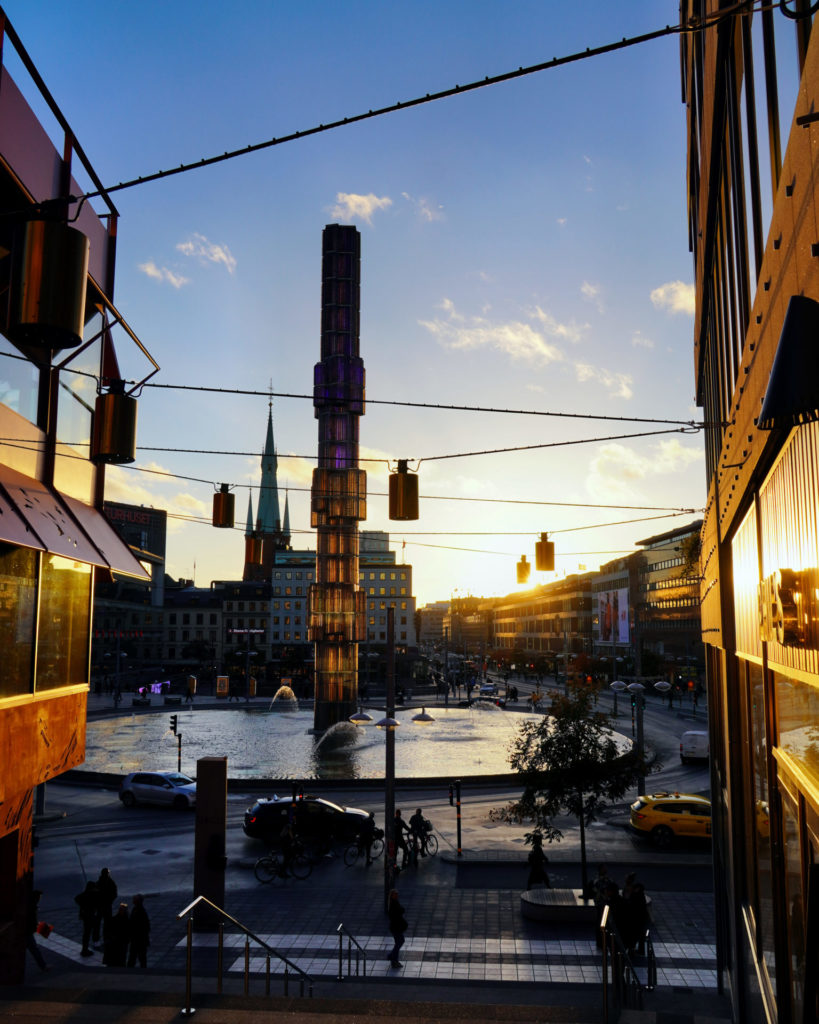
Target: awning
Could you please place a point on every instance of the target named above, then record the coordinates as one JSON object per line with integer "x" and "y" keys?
{"x": 35, "y": 516}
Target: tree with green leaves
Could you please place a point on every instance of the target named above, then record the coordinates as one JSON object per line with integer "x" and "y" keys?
{"x": 570, "y": 763}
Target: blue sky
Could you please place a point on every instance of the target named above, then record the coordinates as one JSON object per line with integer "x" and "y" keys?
{"x": 523, "y": 246}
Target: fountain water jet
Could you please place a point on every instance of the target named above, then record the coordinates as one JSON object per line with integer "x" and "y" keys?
{"x": 286, "y": 700}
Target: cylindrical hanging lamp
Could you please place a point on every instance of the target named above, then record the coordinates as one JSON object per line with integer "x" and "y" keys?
{"x": 254, "y": 546}
{"x": 403, "y": 493}
{"x": 114, "y": 435}
{"x": 49, "y": 268}
{"x": 524, "y": 568}
{"x": 224, "y": 507}
{"x": 544, "y": 554}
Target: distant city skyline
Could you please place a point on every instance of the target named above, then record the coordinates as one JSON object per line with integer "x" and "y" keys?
{"x": 524, "y": 247}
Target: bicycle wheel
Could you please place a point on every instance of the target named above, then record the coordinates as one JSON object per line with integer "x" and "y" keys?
{"x": 351, "y": 854}
{"x": 432, "y": 844}
{"x": 266, "y": 868}
{"x": 377, "y": 848}
{"x": 300, "y": 866}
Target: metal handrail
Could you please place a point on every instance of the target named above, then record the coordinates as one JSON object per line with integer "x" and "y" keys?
{"x": 626, "y": 987}
{"x": 360, "y": 954}
{"x": 288, "y": 964}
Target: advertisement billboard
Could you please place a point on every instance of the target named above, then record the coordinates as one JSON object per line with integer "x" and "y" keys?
{"x": 613, "y": 618}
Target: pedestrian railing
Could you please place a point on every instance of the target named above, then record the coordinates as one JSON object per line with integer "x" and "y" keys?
{"x": 303, "y": 978}
{"x": 622, "y": 988}
{"x": 360, "y": 955}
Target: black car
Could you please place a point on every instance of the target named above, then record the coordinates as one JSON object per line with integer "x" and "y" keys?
{"x": 314, "y": 819}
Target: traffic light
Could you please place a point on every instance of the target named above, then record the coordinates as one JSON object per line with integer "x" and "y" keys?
{"x": 173, "y": 724}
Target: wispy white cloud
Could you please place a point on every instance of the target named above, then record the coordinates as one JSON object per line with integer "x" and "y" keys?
{"x": 675, "y": 296}
{"x": 159, "y": 492}
{"x": 424, "y": 208}
{"x": 163, "y": 274}
{"x": 570, "y": 331}
{"x": 591, "y": 293}
{"x": 619, "y": 471}
{"x": 515, "y": 338}
{"x": 205, "y": 251}
{"x": 639, "y": 340}
{"x": 350, "y": 206}
{"x": 561, "y": 221}
{"x": 617, "y": 384}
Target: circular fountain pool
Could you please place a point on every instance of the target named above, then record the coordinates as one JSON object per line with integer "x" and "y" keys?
{"x": 277, "y": 744}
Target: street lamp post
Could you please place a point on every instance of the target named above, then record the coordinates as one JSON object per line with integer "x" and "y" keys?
{"x": 389, "y": 727}
{"x": 637, "y": 690}
{"x": 617, "y": 686}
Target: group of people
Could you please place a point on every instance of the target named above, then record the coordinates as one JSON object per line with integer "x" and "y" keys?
{"x": 411, "y": 837}
{"x": 629, "y": 906}
{"x": 125, "y": 936}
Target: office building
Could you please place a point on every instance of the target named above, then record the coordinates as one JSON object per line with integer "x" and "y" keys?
{"x": 751, "y": 89}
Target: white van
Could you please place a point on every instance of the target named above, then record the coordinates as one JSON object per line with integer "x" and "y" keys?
{"x": 694, "y": 746}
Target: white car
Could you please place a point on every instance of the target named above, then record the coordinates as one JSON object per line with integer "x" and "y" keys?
{"x": 170, "y": 788}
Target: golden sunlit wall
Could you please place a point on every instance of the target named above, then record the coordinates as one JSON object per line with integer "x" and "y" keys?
{"x": 753, "y": 181}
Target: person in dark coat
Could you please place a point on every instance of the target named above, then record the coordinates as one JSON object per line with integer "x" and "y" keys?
{"x": 537, "y": 866}
{"x": 88, "y": 902}
{"x": 106, "y": 894}
{"x": 635, "y": 917}
{"x": 116, "y": 938}
{"x": 32, "y": 920}
{"x": 367, "y": 835}
{"x": 398, "y": 925}
{"x": 402, "y": 830}
{"x": 139, "y": 931}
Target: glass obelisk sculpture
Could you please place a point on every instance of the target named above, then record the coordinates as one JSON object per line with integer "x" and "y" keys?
{"x": 339, "y": 491}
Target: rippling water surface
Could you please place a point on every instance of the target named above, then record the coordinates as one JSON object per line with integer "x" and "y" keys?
{"x": 277, "y": 744}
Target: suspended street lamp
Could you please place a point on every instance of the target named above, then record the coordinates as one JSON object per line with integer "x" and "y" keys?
{"x": 544, "y": 554}
{"x": 403, "y": 493}
{"x": 113, "y": 439}
{"x": 49, "y": 270}
{"x": 224, "y": 504}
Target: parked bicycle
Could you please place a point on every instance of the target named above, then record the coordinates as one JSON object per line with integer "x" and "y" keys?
{"x": 274, "y": 868}
{"x": 358, "y": 848}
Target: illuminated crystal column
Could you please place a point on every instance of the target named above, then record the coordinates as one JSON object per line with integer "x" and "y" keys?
{"x": 339, "y": 492}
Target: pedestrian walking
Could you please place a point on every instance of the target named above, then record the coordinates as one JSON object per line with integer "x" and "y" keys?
{"x": 106, "y": 894}
{"x": 88, "y": 903}
{"x": 402, "y": 830}
{"x": 398, "y": 925}
{"x": 139, "y": 931}
{"x": 537, "y": 865}
{"x": 32, "y": 920}
{"x": 635, "y": 915}
{"x": 116, "y": 938}
{"x": 367, "y": 837}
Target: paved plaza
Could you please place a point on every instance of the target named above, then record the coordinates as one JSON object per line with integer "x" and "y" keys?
{"x": 467, "y": 939}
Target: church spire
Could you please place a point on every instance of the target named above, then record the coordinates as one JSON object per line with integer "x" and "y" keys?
{"x": 286, "y": 524}
{"x": 268, "y": 519}
{"x": 249, "y": 527}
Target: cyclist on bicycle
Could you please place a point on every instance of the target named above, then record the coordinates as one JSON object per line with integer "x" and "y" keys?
{"x": 418, "y": 832}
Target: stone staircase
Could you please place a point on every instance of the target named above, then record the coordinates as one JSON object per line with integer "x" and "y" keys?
{"x": 109, "y": 996}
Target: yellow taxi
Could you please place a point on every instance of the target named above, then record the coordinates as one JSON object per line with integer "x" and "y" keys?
{"x": 664, "y": 817}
